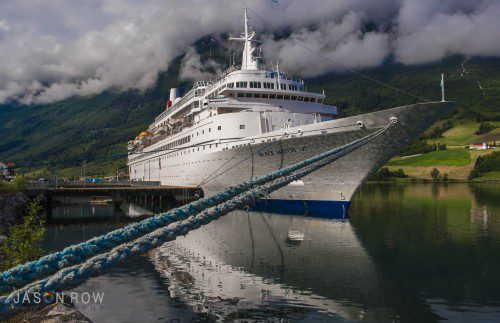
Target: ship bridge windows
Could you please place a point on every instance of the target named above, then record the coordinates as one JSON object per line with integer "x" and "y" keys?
{"x": 283, "y": 86}
{"x": 279, "y": 97}
{"x": 242, "y": 84}
{"x": 292, "y": 87}
{"x": 255, "y": 85}
{"x": 268, "y": 85}
{"x": 230, "y": 85}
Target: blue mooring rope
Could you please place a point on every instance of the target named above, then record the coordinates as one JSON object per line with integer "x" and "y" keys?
{"x": 154, "y": 236}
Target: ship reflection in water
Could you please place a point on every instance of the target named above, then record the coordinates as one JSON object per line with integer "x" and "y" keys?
{"x": 406, "y": 253}
{"x": 266, "y": 265}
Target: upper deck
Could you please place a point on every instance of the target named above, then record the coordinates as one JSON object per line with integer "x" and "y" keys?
{"x": 248, "y": 87}
{"x": 259, "y": 84}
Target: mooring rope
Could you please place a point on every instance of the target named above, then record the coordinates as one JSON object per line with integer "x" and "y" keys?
{"x": 77, "y": 274}
{"x": 23, "y": 274}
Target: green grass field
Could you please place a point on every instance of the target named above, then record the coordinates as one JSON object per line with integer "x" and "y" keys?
{"x": 462, "y": 135}
{"x": 450, "y": 157}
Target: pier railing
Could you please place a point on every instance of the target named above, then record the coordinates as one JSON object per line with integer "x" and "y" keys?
{"x": 89, "y": 184}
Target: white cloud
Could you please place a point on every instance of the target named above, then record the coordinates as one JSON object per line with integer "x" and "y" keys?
{"x": 50, "y": 50}
{"x": 193, "y": 69}
{"x": 341, "y": 42}
{"x": 429, "y": 35}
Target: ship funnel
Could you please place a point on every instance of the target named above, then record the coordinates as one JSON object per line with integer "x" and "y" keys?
{"x": 173, "y": 96}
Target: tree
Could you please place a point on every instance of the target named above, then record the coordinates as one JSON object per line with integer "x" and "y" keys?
{"x": 384, "y": 174}
{"x": 435, "y": 174}
{"x": 399, "y": 173}
{"x": 484, "y": 127}
{"x": 485, "y": 164}
{"x": 441, "y": 146}
{"x": 418, "y": 146}
{"x": 23, "y": 242}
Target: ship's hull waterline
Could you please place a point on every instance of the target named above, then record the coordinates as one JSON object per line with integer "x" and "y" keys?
{"x": 329, "y": 188}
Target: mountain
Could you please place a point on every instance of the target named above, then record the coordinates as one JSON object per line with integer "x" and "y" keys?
{"x": 97, "y": 128}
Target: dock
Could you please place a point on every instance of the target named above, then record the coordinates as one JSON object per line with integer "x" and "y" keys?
{"x": 166, "y": 196}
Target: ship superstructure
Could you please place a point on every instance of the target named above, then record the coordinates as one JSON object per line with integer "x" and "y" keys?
{"x": 250, "y": 121}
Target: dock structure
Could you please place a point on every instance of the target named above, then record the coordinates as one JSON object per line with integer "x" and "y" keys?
{"x": 170, "y": 196}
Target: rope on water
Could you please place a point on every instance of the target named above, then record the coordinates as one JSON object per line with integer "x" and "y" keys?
{"x": 77, "y": 274}
{"x": 23, "y": 274}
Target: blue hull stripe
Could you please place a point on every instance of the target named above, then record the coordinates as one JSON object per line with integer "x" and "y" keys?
{"x": 315, "y": 208}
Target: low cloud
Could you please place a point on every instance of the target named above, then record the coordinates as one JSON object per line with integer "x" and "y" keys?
{"x": 432, "y": 34}
{"x": 50, "y": 50}
{"x": 342, "y": 42}
{"x": 193, "y": 69}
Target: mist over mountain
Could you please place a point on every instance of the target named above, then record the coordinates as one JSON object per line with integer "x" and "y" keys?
{"x": 53, "y": 50}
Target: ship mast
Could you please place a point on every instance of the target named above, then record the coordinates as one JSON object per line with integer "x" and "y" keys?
{"x": 249, "y": 61}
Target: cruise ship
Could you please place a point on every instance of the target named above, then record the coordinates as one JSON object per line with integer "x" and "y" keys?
{"x": 251, "y": 121}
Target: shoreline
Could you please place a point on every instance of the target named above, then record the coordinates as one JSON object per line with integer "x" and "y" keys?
{"x": 413, "y": 180}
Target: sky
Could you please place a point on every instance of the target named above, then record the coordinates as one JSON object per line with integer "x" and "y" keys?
{"x": 51, "y": 50}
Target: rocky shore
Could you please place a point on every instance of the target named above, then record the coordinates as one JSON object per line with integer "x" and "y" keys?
{"x": 13, "y": 207}
{"x": 54, "y": 313}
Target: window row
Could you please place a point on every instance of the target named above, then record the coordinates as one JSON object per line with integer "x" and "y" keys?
{"x": 189, "y": 150}
{"x": 255, "y": 85}
{"x": 276, "y": 96}
{"x": 265, "y": 85}
{"x": 176, "y": 143}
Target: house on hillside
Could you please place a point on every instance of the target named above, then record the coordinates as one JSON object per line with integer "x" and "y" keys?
{"x": 7, "y": 171}
{"x": 481, "y": 146}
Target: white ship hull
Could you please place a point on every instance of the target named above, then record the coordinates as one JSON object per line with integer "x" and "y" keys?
{"x": 217, "y": 168}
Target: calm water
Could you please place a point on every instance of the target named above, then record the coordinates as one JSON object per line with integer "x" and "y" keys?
{"x": 408, "y": 252}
